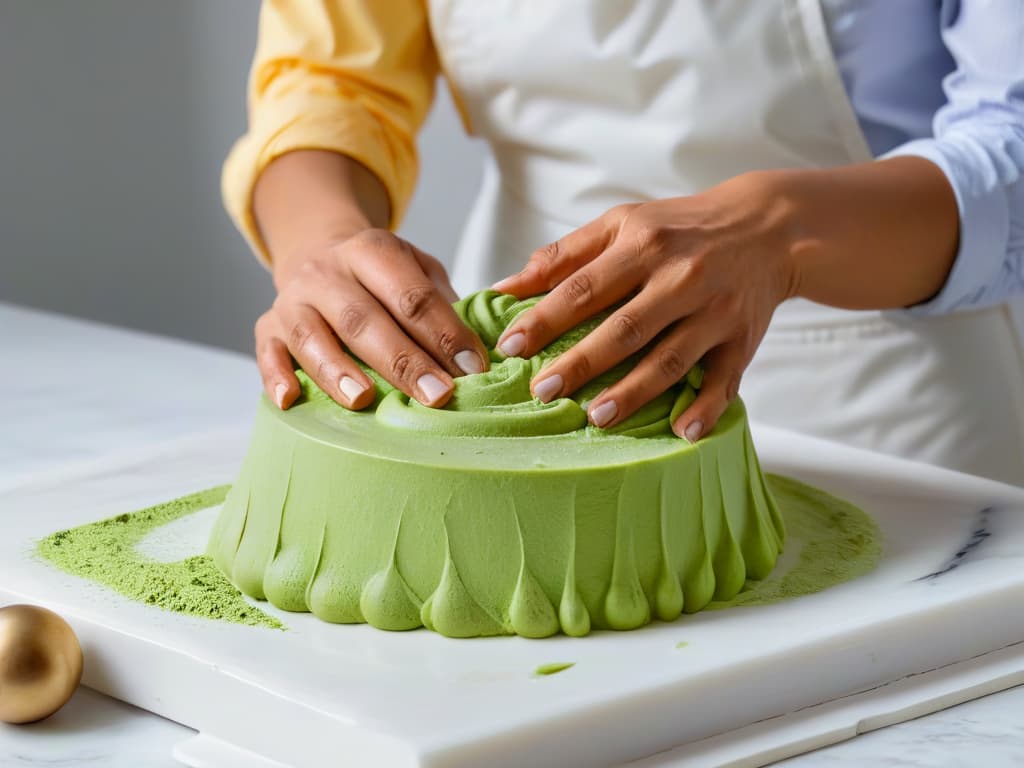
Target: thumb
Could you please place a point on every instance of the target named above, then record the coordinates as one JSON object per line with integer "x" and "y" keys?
{"x": 550, "y": 265}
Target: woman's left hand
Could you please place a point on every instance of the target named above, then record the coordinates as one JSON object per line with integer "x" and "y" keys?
{"x": 701, "y": 274}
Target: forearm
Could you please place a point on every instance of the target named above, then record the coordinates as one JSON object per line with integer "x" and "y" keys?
{"x": 309, "y": 198}
{"x": 879, "y": 235}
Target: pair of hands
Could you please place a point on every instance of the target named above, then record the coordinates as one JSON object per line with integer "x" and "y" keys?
{"x": 699, "y": 276}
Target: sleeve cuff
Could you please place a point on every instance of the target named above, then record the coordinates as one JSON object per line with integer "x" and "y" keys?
{"x": 349, "y": 129}
{"x": 984, "y": 222}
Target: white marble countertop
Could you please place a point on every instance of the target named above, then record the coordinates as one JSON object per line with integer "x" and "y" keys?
{"x": 72, "y": 391}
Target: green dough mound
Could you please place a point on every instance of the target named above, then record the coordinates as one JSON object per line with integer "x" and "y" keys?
{"x": 498, "y": 514}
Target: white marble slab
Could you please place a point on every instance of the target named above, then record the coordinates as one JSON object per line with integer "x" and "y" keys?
{"x": 94, "y": 730}
{"x": 62, "y": 406}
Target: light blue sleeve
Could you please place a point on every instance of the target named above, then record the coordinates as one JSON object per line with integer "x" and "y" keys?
{"x": 979, "y": 144}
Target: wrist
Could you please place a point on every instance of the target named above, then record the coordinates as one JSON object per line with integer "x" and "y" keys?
{"x": 780, "y": 205}
{"x": 307, "y": 201}
{"x": 876, "y": 235}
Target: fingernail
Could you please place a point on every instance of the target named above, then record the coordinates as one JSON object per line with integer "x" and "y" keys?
{"x": 279, "y": 392}
{"x": 546, "y": 389}
{"x": 469, "y": 362}
{"x": 431, "y": 387}
{"x": 513, "y": 345}
{"x": 350, "y": 388}
{"x": 693, "y": 430}
{"x": 498, "y": 286}
{"x": 604, "y": 413}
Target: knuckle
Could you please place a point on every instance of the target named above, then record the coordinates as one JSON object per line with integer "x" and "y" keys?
{"x": 269, "y": 351}
{"x": 579, "y": 289}
{"x": 414, "y": 300}
{"x": 300, "y": 335}
{"x": 374, "y": 239}
{"x": 543, "y": 259}
{"x": 428, "y": 261}
{"x": 263, "y": 326}
{"x": 448, "y": 343}
{"x": 534, "y": 324}
{"x": 313, "y": 271}
{"x": 697, "y": 268}
{"x": 671, "y": 364}
{"x": 323, "y": 370}
{"x": 400, "y": 365}
{"x": 628, "y": 330}
{"x": 621, "y": 211}
{"x": 620, "y": 261}
{"x": 648, "y": 238}
{"x": 735, "y": 305}
{"x": 353, "y": 321}
{"x": 676, "y": 280}
{"x": 579, "y": 369}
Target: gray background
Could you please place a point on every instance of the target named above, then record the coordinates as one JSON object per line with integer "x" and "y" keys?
{"x": 115, "y": 117}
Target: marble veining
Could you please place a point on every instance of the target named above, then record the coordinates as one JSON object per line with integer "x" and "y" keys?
{"x": 981, "y": 532}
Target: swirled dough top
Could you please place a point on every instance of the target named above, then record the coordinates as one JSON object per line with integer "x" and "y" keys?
{"x": 488, "y": 409}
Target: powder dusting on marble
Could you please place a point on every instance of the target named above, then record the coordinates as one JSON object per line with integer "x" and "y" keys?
{"x": 838, "y": 542}
{"x": 105, "y": 552}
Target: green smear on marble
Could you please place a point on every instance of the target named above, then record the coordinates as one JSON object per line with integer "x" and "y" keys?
{"x": 833, "y": 540}
{"x": 554, "y": 668}
{"x": 682, "y": 644}
{"x": 105, "y": 552}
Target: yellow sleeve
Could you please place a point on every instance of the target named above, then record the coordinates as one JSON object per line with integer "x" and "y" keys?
{"x": 353, "y": 76}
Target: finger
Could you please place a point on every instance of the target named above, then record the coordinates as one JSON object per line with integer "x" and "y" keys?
{"x": 552, "y": 263}
{"x": 372, "y": 334}
{"x": 275, "y": 363}
{"x": 580, "y": 296}
{"x": 313, "y": 344}
{"x": 438, "y": 275}
{"x": 412, "y": 299}
{"x": 662, "y": 367}
{"x": 723, "y": 369}
{"x": 623, "y": 333}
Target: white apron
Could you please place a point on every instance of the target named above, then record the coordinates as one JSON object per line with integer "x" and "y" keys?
{"x": 592, "y": 103}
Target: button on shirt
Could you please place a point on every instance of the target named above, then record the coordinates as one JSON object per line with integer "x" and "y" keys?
{"x": 940, "y": 79}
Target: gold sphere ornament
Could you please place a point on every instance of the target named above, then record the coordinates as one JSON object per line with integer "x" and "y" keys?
{"x": 40, "y": 663}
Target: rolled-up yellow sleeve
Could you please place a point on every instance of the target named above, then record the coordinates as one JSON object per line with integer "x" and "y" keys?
{"x": 350, "y": 76}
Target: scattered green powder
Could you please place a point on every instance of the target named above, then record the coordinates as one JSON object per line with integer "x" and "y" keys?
{"x": 105, "y": 552}
{"x": 554, "y": 668}
{"x": 682, "y": 644}
{"x": 836, "y": 542}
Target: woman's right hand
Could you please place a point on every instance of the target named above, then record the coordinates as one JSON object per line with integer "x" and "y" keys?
{"x": 387, "y": 302}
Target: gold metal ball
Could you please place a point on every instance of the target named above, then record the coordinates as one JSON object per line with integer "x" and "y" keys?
{"x": 40, "y": 663}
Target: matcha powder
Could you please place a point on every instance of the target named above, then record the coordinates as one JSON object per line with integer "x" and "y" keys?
{"x": 105, "y": 552}
{"x": 831, "y": 542}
